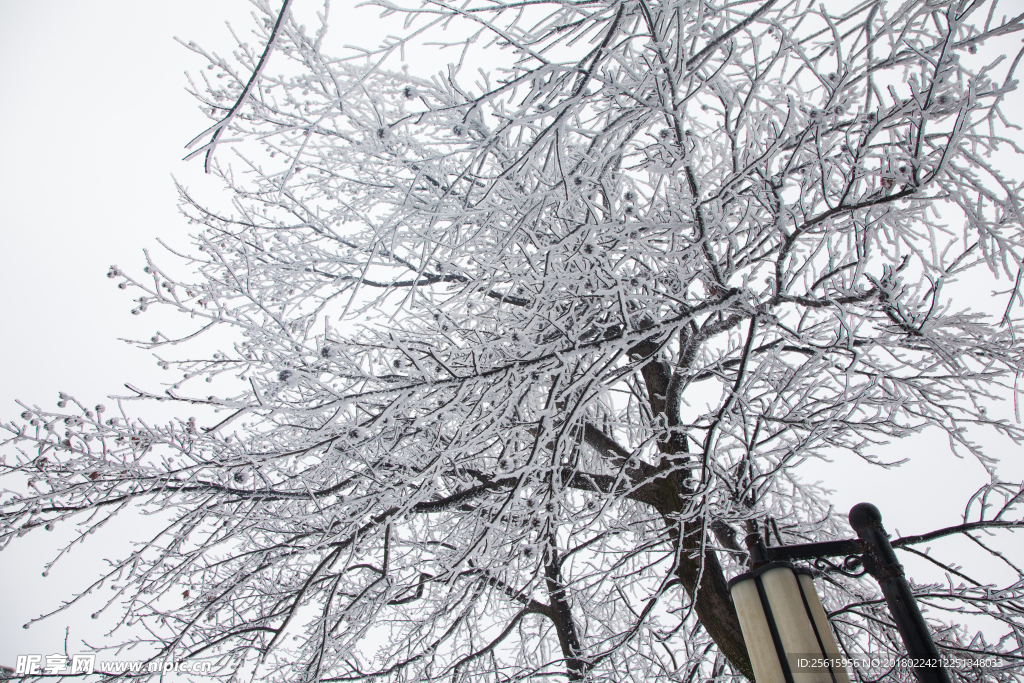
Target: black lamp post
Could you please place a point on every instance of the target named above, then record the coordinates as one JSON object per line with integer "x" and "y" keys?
{"x": 872, "y": 550}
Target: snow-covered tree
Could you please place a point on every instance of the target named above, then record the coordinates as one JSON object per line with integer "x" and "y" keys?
{"x": 517, "y": 355}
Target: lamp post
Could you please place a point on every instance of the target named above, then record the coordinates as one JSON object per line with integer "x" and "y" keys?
{"x": 785, "y": 627}
{"x": 778, "y": 607}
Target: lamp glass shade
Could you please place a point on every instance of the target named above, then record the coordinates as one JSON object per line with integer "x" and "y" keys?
{"x": 785, "y": 627}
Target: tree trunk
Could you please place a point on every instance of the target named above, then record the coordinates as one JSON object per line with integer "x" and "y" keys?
{"x": 698, "y": 568}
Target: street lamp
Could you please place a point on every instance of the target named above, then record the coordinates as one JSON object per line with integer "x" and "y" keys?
{"x": 781, "y": 615}
{"x": 785, "y": 626}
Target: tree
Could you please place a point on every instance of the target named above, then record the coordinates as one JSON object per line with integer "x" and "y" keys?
{"x": 518, "y": 356}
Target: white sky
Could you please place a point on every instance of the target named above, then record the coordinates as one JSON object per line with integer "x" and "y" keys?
{"x": 93, "y": 121}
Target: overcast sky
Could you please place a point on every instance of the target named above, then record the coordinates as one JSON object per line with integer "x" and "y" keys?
{"x": 93, "y": 123}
